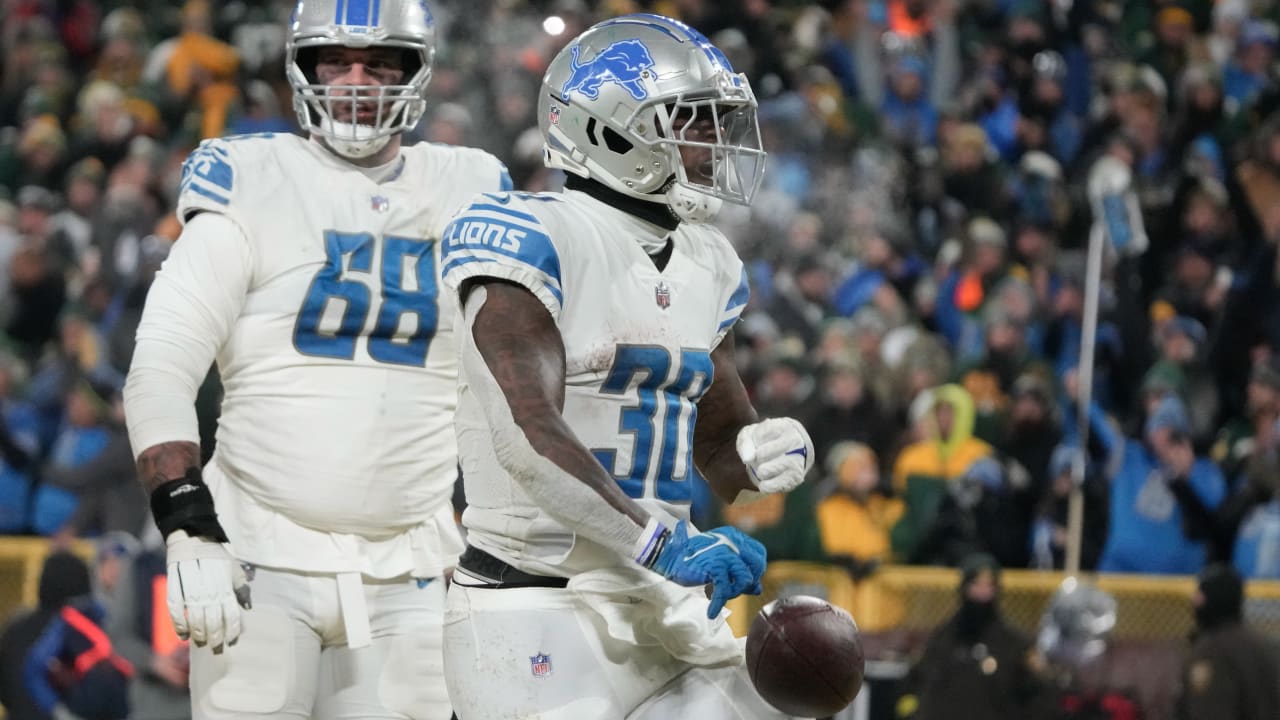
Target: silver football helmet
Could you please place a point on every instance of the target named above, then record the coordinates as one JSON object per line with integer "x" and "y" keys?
{"x": 624, "y": 98}
{"x": 403, "y": 24}
{"x": 1076, "y": 626}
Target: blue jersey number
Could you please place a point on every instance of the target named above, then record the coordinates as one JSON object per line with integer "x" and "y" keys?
{"x": 660, "y": 422}
{"x": 408, "y": 298}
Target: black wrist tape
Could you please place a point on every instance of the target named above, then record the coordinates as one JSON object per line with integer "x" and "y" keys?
{"x": 186, "y": 504}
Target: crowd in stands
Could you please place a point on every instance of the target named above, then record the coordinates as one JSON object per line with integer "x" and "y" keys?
{"x": 918, "y": 255}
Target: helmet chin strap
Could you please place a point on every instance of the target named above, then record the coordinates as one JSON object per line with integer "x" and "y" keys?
{"x": 690, "y": 205}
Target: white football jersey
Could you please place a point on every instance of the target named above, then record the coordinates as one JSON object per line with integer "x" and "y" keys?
{"x": 638, "y": 344}
{"x": 340, "y": 374}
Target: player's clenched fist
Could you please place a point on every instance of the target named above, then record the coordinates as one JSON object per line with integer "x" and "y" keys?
{"x": 777, "y": 452}
{"x": 731, "y": 561}
{"x": 207, "y": 588}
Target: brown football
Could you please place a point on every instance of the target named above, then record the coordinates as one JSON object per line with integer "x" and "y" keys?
{"x": 805, "y": 657}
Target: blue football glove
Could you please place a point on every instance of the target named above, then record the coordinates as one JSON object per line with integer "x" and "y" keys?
{"x": 727, "y": 558}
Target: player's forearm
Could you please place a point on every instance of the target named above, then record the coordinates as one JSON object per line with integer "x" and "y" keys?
{"x": 516, "y": 373}
{"x": 167, "y": 461}
{"x": 722, "y": 412}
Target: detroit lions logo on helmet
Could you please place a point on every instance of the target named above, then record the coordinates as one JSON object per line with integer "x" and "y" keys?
{"x": 622, "y": 62}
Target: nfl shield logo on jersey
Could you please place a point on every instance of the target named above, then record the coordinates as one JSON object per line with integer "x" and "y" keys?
{"x": 380, "y": 203}
{"x": 662, "y": 294}
{"x": 541, "y": 665}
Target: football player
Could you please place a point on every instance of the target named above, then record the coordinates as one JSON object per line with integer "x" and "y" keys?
{"x": 598, "y": 380}
{"x": 308, "y": 268}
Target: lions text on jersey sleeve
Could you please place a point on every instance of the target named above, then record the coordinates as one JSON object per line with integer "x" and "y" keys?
{"x": 339, "y": 374}
{"x": 638, "y": 344}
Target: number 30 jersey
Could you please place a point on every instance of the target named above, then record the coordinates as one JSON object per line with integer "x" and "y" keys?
{"x": 637, "y": 341}
{"x": 340, "y": 374}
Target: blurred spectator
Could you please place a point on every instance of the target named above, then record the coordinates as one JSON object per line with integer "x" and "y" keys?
{"x": 64, "y": 578}
{"x": 1180, "y": 344}
{"x": 89, "y": 480}
{"x": 787, "y": 388}
{"x": 38, "y": 291}
{"x": 801, "y": 301}
{"x": 1147, "y": 532}
{"x": 1254, "y": 432}
{"x": 201, "y": 69}
{"x": 846, "y": 410}
{"x": 72, "y": 670}
{"x": 19, "y": 449}
{"x": 39, "y": 157}
{"x": 1050, "y": 534}
{"x": 910, "y": 120}
{"x": 1232, "y": 670}
{"x": 131, "y": 582}
{"x": 856, "y": 515}
{"x": 975, "y": 661}
{"x": 104, "y": 484}
{"x": 1249, "y": 72}
{"x": 924, "y": 470}
{"x": 984, "y": 511}
{"x": 1031, "y": 428}
{"x": 973, "y": 182}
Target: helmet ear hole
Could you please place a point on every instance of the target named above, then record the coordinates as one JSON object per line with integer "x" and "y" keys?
{"x": 607, "y": 137}
{"x": 616, "y": 142}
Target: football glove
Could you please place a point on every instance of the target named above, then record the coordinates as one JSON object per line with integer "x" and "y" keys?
{"x": 778, "y": 454}
{"x": 731, "y": 561}
{"x": 206, "y": 589}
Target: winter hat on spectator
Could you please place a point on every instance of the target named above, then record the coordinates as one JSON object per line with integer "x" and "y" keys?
{"x": 90, "y": 168}
{"x": 1267, "y": 372}
{"x": 1174, "y": 14}
{"x": 1221, "y": 596}
{"x": 1185, "y": 325}
{"x": 42, "y": 131}
{"x": 1033, "y": 386}
{"x": 64, "y": 577}
{"x": 1259, "y": 31}
{"x": 1170, "y": 414}
{"x": 974, "y": 565}
{"x": 34, "y": 196}
{"x": 985, "y": 231}
{"x": 117, "y": 543}
{"x": 1062, "y": 459}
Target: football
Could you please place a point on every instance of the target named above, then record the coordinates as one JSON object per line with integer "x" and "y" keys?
{"x": 805, "y": 657}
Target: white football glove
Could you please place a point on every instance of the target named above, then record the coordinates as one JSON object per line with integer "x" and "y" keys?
{"x": 207, "y": 588}
{"x": 777, "y": 452}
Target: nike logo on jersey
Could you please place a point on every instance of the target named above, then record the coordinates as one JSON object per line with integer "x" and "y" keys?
{"x": 720, "y": 540}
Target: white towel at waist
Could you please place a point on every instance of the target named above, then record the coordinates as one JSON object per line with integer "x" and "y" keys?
{"x": 641, "y": 608}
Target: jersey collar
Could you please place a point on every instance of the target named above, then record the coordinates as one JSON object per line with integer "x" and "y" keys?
{"x": 658, "y": 214}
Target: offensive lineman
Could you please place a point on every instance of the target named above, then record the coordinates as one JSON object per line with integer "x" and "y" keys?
{"x": 598, "y": 326}
{"x": 309, "y": 270}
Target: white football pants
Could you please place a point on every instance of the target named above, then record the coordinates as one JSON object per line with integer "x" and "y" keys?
{"x": 292, "y": 660}
{"x": 537, "y": 654}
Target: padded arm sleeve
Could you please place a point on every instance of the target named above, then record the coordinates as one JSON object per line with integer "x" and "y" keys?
{"x": 190, "y": 311}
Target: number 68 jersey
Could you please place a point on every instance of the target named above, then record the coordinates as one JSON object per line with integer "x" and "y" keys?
{"x": 637, "y": 342}
{"x": 339, "y": 370}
